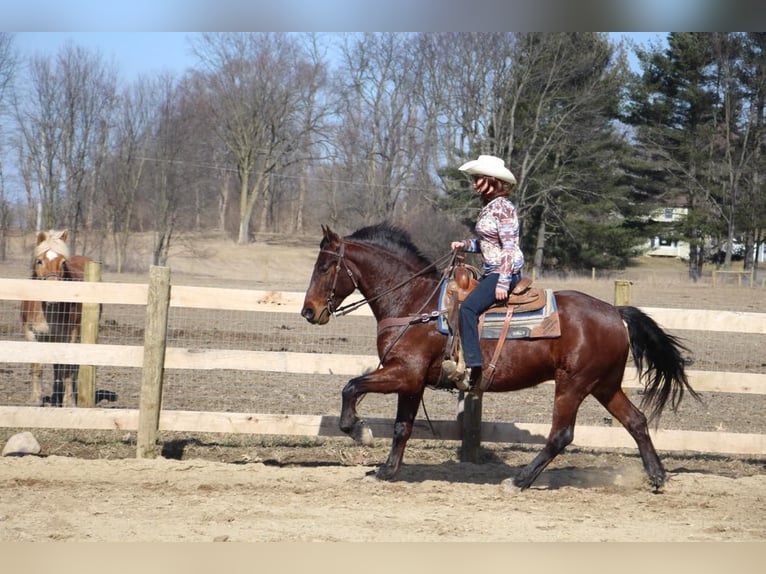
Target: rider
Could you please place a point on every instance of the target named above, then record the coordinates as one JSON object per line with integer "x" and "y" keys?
{"x": 497, "y": 239}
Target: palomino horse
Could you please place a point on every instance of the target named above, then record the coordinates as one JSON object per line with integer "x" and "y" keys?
{"x": 56, "y": 322}
{"x": 588, "y": 358}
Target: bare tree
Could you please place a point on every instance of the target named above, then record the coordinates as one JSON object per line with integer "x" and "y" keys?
{"x": 380, "y": 119}
{"x": 39, "y": 145}
{"x": 258, "y": 94}
{"x": 8, "y": 65}
{"x": 63, "y": 123}
{"x": 89, "y": 97}
{"x": 122, "y": 180}
{"x": 315, "y": 120}
{"x": 166, "y": 184}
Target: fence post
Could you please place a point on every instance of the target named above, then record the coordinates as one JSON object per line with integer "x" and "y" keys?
{"x": 155, "y": 337}
{"x": 86, "y": 383}
{"x": 622, "y": 292}
{"x": 469, "y": 419}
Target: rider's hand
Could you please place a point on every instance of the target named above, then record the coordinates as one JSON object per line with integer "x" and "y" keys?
{"x": 501, "y": 294}
{"x": 456, "y": 245}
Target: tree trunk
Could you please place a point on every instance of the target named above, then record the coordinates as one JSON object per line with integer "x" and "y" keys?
{"x": 540, "y": 248}
{"x": 243, "y": 237}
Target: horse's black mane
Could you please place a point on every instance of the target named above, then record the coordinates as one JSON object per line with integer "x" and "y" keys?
{"x": 392, "y": 238}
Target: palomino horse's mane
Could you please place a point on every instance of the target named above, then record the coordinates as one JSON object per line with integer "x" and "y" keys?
{"x": 54, "y": 241}
{"x": 393, "y": 239}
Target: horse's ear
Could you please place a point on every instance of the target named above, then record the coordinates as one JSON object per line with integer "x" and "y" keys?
{"x": 329, "y": 235}
{"x": 63, "y": 235}
{"x": 41, "y": 236}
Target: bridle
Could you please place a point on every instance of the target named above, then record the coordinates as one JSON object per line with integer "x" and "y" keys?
{"x": 60, "y": 275}
{"x": 341, "y": 262}
{"x": 340, "y": 254}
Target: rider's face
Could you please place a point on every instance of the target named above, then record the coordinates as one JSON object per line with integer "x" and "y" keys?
{"x": 481, "y": 183}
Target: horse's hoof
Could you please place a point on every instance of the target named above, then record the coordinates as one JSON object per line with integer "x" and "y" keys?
{"x": 385, "y": 473}
{"x": 362, "y": 434}
{"x": 511, "y": 487}
{"x": 102, "y": 395}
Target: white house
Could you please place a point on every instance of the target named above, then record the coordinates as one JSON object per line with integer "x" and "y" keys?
{"x": 663, "y": 246}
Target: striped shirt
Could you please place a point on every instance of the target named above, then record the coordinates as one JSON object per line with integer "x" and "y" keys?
{"x": 497, "y": 239}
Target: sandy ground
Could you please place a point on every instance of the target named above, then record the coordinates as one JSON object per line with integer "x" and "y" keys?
{"x": 321, "y": 492}
{"x": 66, "y": 499}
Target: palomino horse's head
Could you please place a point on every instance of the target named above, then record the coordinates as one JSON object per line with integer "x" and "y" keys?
{"x": 331, "y": 281}
{"x": 51, "y": 255}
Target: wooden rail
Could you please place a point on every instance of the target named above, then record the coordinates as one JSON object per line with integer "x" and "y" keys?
{"x": 328, "y": 426}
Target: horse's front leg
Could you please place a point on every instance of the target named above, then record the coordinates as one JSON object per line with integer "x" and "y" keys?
{"x": 36, "y": 397}
{"x": 70, "y": 385}
{"x": 57, "y": 396}
{"x": 70, "y": 372}
{"x": 389, "y": 379}
{"x": 406, "y": 411}
{"x": 36, "y": 371}
{"x": 350, "y": 423}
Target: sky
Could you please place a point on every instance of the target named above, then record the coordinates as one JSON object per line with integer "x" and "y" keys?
{"x": 147, "y": 36}
{"x": 149, "y": 53}
{"x": 135, "y": 53}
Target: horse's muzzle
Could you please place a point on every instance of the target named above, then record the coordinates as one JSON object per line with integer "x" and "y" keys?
{"x": 312, "y": 317}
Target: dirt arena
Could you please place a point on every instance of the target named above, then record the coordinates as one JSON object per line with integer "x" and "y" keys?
{"x": 86, "y": 486}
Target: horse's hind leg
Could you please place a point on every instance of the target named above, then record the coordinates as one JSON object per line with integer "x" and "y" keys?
{"x": 565, "y": 406}
{"x": 634, "y": 421}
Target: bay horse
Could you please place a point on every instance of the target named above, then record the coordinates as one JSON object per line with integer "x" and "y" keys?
{"x": 54, "y": 322}
{"x": 588, "y": 358}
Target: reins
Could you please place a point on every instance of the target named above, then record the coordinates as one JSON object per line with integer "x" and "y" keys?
{"x": 345, "y": 309}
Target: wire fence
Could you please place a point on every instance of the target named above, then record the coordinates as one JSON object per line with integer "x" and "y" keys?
{"x": 273, "y": 392}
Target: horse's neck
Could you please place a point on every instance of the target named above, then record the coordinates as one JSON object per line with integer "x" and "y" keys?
{"x": 387, "y": 277}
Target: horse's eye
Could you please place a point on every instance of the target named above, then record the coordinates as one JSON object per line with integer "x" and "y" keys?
{"x": 38, "y": 261}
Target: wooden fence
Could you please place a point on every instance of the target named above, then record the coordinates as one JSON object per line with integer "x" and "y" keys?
{"x": 154, "y": 357}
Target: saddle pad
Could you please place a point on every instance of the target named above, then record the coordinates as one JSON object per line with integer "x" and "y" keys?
{"x": 540, "y": 324}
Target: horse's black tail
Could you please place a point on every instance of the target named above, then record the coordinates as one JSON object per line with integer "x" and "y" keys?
{"x": 664, "y": 374}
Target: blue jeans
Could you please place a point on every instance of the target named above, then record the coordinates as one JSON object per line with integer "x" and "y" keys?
{"x": 478, "y": 301}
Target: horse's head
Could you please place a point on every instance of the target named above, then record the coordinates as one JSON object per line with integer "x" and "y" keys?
{"x": 51, "y": 255}
{"x": 331, "y": 281}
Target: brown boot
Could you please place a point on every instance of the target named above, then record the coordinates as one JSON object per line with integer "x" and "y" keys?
{"x": 451, "y": 372}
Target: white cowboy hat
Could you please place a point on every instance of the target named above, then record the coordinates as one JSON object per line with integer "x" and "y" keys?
{"x": 488, "y": 165}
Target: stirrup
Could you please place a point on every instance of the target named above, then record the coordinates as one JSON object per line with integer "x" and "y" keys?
{"x": 472, "y": 380}
{"x": 452, "y": 373}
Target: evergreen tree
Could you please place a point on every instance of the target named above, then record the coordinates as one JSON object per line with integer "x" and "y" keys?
{"x": 674, "y": 108}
